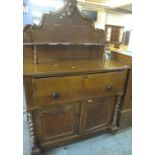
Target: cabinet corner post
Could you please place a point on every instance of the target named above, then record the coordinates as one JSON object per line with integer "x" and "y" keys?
{"x": 35, "y": 149}
{"x": 114, "y": 126}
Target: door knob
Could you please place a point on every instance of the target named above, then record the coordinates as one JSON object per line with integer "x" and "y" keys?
{"x": 55, "y": 95}
{"x": 109, "y": 87}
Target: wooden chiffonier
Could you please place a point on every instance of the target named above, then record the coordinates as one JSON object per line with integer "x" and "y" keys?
{"x": 71, "y": 91}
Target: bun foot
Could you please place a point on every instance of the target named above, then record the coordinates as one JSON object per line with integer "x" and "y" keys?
{"x": 36, "y": 151}
{"x": 114, "y": 129}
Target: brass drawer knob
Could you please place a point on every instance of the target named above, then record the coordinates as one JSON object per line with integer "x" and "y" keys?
{"x": 109, "y": 87}
{"x": 55, "y": 95}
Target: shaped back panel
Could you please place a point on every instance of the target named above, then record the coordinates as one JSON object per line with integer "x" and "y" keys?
{"x": 69, "y": 26}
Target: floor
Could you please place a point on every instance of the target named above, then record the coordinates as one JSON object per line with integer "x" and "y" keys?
{"x": 106, "y": 144}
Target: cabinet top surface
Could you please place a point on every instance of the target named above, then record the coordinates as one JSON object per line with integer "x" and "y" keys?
{"x": 124, "y": 52}
{"x": 65, "y": 67}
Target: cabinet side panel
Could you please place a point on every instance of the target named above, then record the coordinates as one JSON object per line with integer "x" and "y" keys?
{"x": 28, "y": 92}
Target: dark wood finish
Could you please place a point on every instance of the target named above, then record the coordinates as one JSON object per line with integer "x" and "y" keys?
{"x": 97, "y": 114}
{"x": 62, "y": 30}
{"x": 126, "y": 118}
{"x": 128, "y": 96}
{"x": 36, "y": 54}
{"x": 28, "y": 92}
{"x": 35, "y": 149}
{"x": 57, "y": 122}
{"x": 126, "y": 110}
{"x": 72, "y": 88}
{"x": 115, "y": 34}
{"x": 68, "y": 140}
{"x": 114, "y": 126}
{"x": 71, "y": 91}
{"x": 63, "y": 67}
{"x": 122, "y": 58}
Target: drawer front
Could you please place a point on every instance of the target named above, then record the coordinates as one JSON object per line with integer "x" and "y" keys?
{"x": 71, "y": 88}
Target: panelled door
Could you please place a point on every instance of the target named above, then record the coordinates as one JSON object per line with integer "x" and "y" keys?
{"x": 57, "y": 121}
{"x": 96, "y": 114}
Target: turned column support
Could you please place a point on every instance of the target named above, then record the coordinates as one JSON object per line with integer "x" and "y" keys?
{"x": 35, "y": 149}
{"x": 35, "y": 56}
{"x": 114, "y": 126}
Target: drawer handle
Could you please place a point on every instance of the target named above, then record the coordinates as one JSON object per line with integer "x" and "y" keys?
{"x": 109, "y": 87}
{"x": 55, "y": 95}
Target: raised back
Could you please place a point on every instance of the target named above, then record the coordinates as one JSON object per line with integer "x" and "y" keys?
{"x": 64, "y": 28}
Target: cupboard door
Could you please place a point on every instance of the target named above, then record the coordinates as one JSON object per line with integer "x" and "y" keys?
{"x": 57, "y": 121}
{"x": 97, "y": 114}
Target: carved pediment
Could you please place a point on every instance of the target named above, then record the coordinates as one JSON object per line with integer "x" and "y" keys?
{"x": 66, "y": 25}
{"x": 70, "y": 6}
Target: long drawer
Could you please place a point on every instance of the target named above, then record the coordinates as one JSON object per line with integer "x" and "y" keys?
{"x": 61, "y": 89}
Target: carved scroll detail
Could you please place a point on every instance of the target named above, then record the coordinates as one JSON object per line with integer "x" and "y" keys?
{"x": 116, "y": 112}
{"x": 70, "y": 6}
{"x": 35, "y": 148}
